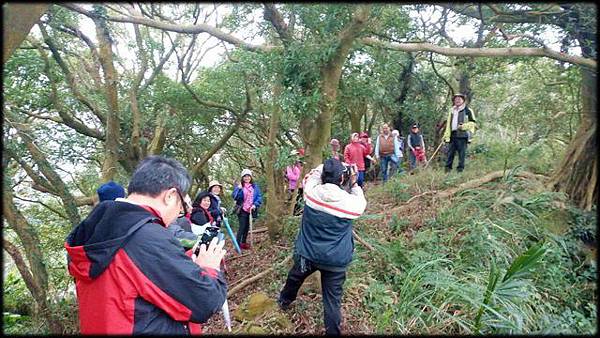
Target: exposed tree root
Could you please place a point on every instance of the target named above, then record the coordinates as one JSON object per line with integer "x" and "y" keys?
{"x": 256, "y": 277}
{"x": 464, "y": 186}
{"x": 259, "y": 230}
{"x": 485, "y": 179}
{"x": 362, "y": 241}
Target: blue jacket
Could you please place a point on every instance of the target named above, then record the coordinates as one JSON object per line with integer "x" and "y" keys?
{"x": 238, "y": 196}
{"x": 325, "y": 239}
{"x": 325, "y": 235}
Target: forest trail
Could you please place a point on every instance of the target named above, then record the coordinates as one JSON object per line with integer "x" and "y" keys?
{"x": 305, "y": 316}
{"x": 385, "y": 220}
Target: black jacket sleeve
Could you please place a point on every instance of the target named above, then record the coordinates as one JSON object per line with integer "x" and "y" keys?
{"x": 198, "y": 217}
{"x": 190, "y": 290}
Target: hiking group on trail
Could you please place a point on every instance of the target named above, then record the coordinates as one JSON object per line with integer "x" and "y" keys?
{"x": 154, "y": 262}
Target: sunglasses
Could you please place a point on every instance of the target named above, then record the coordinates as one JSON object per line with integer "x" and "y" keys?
{"x": 183, "y": 204}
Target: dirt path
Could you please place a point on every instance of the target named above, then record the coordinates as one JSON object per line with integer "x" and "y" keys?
{"x": 306, "y": 315}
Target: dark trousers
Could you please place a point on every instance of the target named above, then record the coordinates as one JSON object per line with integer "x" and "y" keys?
{"x": 244, "y": 220}
{"x": 331, "y": 284}
{"x": 457, "y": 144}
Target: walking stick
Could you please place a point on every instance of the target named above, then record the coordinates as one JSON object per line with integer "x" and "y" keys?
{"x": 250, "y": 234}
{"x": 432, "y": 156}
{"x": 226, "y": 316}
{"x": 231, "y": 235}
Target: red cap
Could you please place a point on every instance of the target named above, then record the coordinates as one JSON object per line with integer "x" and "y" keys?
{"x": 363, "y": 134}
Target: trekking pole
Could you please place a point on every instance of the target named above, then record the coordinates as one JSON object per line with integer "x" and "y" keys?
{"x": 230, "y": 232}
{"x": 226, "y": 316}
{"x": 250, "y": 231}
{"x": 434, "y": 153}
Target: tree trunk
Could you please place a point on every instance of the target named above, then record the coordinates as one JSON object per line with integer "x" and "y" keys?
{"x": 317, "y": 133}
{"x": 357, "y": 111}
{"x": 111, "y": 146}
{"x": 52, "y": 176}
{"x": 18, "y": 19}
{"x": 577, "y": 174}
{"x": 274, "y": 204}
{"x": 38, "y": 292}
{"x": 405, "y": 79}
{"x": 36, "y": 275}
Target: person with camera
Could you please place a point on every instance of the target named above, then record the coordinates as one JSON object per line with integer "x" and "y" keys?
{"x": 248, "y": 199}
{"x": 324, "y": 242}
{"x": 181, "y": 227}
{"x": 132, "y": 275}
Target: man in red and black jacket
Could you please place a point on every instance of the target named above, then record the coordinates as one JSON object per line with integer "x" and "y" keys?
{"x": 132, "y": 275}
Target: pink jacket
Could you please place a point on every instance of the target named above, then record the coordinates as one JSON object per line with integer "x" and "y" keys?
{"x": 292, "y": 172}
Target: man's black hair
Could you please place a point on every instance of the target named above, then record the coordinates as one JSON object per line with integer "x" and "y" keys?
{"x": 333, "y": 170}
{"x": 156, "y": 174}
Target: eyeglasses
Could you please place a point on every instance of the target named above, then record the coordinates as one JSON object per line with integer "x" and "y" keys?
{"x": 183, "y": 204}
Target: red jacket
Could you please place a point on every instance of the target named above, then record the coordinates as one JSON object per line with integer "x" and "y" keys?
{"x": 133, "y": 277}
{"x": 355, "y": 153}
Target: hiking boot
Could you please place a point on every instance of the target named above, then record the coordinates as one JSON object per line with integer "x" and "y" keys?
{"x": 284, "y": 306}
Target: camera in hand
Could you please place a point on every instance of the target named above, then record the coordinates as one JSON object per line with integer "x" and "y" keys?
{"x": 209, "y": 233}
{"x": 349, "y": 171}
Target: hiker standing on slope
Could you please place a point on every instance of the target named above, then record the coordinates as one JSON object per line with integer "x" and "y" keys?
{"x": 324, "y": 242}
{"x": 461, "y": 121}
{"x": 385, "y": 147}
{"x": 416, "y": 146}
{"x": 355, "y": 154}
{"x": 365, "y": 140}
{"x": 335, "y": 149}
{"x": 248, "y": 199}
{"x": 398, "y": 153}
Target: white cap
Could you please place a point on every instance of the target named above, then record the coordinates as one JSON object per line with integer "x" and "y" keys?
{"x": 395, "y": 132}
{"x": 246, "y": 172}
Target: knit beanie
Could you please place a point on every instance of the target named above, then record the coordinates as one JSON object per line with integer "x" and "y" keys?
{"x": 110, "y": 191}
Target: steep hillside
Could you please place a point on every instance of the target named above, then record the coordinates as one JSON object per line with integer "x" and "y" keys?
{"x": 422, "y": 263}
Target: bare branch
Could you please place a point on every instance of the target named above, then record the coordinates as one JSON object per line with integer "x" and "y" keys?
{"x": 187, "y": 29}
{"x": 69, "y": 76}
{"x": 60, "y": 214}
{"x": 484, "y": 52}
{"x": 272, "y": 14}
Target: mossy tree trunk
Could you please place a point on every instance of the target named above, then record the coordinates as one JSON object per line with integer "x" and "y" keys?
{"x": 577, "y": 173}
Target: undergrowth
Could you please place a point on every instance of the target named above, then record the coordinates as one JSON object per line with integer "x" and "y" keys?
{"x": 453, "y": 271}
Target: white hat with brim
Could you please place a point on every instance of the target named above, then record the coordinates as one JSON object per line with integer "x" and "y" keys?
{"x": 246, "y": 172}
{"x": 213, "y": 183}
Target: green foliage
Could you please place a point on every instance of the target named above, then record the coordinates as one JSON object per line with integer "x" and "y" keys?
{"x": 483, "y": 232}
{"x": 17, "y": 300}
{"x": 511, "y": 285}
{"x": 16, "y": 324}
